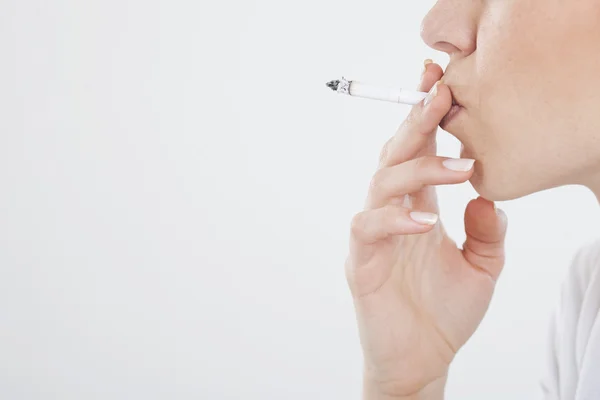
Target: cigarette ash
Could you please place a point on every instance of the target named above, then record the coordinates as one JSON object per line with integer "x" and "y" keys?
{"x": 333, "y": 85}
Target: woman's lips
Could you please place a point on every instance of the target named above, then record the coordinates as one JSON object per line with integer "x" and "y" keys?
{"x": 451, "y": 115}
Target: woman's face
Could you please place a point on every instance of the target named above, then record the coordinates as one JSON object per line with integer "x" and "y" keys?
{"x": 527, "y": 74}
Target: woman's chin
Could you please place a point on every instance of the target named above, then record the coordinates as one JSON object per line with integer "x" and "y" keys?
{"x": 486, "y": 186}
{"x": 496, "y": 188}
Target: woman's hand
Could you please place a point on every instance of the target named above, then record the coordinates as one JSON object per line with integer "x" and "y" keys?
{"x": 418, "y": 297}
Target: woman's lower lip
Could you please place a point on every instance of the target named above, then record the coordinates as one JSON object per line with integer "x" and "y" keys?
{"x": 454, "y": 111}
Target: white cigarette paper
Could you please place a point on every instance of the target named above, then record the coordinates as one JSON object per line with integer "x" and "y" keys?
{"x": 394, "y": 95}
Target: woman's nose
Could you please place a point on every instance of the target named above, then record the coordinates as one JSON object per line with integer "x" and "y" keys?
{"x": 451, "y": 26}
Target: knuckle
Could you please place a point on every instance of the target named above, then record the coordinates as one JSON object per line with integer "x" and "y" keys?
{"x": 421, "y": 163}
{"x": 418, "y": 164}
{"x": 358, "y": 224}
{"x": 412, "y": 118}
{"x": 383, "y": 155}
{"x": 349, "y": 269}
{"x": 377, "y": 181}
{"x": 415, "y": 170}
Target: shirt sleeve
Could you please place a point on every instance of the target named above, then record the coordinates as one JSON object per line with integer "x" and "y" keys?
{"x": 572, "y": 329}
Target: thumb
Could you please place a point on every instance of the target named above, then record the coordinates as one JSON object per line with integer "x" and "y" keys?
{"x": 485, "y": 226}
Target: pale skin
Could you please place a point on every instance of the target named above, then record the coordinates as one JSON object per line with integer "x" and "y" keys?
{"x": 529, "y": 122}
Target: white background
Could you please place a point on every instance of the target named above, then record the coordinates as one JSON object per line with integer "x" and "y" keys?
{"x": 177, "y": 185}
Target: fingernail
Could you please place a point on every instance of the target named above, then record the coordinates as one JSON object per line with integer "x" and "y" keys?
{"x": 502, "y": 215}
{"x": 500, "y": 212}
{"x": 424, "y": 217}
{"x": 425, "y": 63}
{"x": 459, "y": 164}
{"x": 431, "y": 95}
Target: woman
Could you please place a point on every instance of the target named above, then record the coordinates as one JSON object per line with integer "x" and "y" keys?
{"x": 524, "y": 76}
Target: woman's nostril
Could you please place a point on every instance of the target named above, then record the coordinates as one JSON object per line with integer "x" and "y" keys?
{"x": 446, "y": 47}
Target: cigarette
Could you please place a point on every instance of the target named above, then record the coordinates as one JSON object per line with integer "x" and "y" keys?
{"x": 359, "y": 89}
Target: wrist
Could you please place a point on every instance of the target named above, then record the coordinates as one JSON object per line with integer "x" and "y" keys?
{"x": 433, "y": 391}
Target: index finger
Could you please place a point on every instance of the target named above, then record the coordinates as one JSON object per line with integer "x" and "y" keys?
{"x": 420, "y": 124}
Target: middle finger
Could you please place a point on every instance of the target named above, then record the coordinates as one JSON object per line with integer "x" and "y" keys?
{"x": 414, "y": 175}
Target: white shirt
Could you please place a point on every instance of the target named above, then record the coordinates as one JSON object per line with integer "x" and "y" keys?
{"x": 574, "y": 344}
